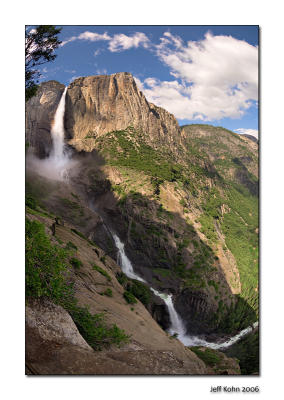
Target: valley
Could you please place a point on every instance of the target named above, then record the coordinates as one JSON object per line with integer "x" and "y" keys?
{"x": 153, "y": 227}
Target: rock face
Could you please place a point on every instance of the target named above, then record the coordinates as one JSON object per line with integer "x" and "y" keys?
{"x": 99, "y": 104}
{"x": 40, "y": 111}
{"x": 53, "y": 323}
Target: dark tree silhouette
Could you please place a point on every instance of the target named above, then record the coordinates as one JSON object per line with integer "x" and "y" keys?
{"x": 40, "y": 45}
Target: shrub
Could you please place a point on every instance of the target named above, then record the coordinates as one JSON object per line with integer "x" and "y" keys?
{"x": 140, "y": 291}
{"x": 94, "y": 330}
{"x": 121, "y": 278}
{"x": 76, "y": 263}
{"x": 31, "y": 202}
{"x": 209, "y": 356}
{"x": 71, "y": 246}
{"x": 108, "y": 292}
{"x": 129, "y": 297}
{"x": 101, "y": 271}
{"x": 45, "y": 265}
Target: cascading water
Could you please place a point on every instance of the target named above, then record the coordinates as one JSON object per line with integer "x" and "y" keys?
{"x": 58, "y": 156}
{"x": 177, "y": 327}
{"x": 57, "y": 130}
{"x": 57, "y": 165}
{"x": 124, "y": 261}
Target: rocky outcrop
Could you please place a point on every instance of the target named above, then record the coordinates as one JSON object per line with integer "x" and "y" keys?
{"x": 40, "y": 111}
{"x": 99, "y": 104}
{"x": 197, "y": 308}
{"x": 52, "y": 323}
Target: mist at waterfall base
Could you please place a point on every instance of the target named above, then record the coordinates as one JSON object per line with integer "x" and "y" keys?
{"x": 177, "y": 327}
{"x": 59, "y": 162}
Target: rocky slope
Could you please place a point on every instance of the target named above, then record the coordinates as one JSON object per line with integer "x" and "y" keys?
{"x": 183, "y": 200}
{"x": 55, "y": 346}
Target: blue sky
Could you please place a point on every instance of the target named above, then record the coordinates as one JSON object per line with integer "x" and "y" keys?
{"x": 201, "y": 74}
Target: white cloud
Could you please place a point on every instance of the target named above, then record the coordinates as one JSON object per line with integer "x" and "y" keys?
{"x": 216, "y": 77}
{"x": 121, "y": 41}
{"x": 91, "y": 36}
{"x": 252, "y": 132}
{"x": 118, "y": 42}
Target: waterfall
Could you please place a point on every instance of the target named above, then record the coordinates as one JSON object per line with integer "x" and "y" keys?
{"x": 58, "y": 164}
{"x": 124, "y": 261}
{"x": 57, "y": 130}
{"x": 177, "y": 327}
{"x": 58, "y": 157}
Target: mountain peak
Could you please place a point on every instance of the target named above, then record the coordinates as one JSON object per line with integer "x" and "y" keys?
{"x": 99, "y": 104}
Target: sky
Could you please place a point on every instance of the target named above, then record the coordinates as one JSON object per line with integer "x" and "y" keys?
{"x": 201, "y": 74}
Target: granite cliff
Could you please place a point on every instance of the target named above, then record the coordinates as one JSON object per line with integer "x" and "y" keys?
{"x": 96, "y": 105}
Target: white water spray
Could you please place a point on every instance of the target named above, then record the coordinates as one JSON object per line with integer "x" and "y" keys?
{"x": 177, "y": 327}
{"x": 57, "y": 130}
{"x": 57, "y": 165}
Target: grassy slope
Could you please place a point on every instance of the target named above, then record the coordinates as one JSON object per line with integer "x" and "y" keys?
{"x": 217, "y": 172}
{"x": 236, "y": 166}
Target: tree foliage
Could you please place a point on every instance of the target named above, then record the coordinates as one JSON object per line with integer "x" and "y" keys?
{"x": 39, "y": 49}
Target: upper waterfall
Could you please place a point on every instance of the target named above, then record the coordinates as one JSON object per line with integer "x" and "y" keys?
{"x": 57, "y": 165}
{"x": 57, "y": 130}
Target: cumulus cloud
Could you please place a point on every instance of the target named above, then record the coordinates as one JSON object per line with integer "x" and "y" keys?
{"x": 121, "y": 41}
{"x": 252, "y": 132}
{"x": 91, "y": 36}
{"x": 118, "y": 42}
{"x": 216, "y": 77}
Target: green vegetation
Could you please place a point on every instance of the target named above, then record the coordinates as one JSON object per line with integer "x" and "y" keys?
{"x": 140, "y": 291}
{"x": 122, "y": 278}
{"x": 209, "y": 356}
{"x": 103, "y": 259}
{"x": 94, "y": 329}
{"x": 129, "y": 297}
{"x": 79, "y": 234}
{"x": 239, "y": 227}
{"x": 134, "y": 153}
{"x": 45, "y": 265}
{"x": 247, "y": 352}
{"x": 74, "y": 209}
{"x": 108, "y": 292}
{"x": 71, "y": 246}
{"x": 40, "y": 44}
{"x": 76, "y": 263}
{"x": 239, "y": 316}
{"x": 101, "y": 271}
{"x": 31, "y": 202}
{"x": 47, "y": 277}
{"x": 83, "y": 236}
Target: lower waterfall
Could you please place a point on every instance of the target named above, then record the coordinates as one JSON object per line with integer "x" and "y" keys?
{"x": 177, "y": 327}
